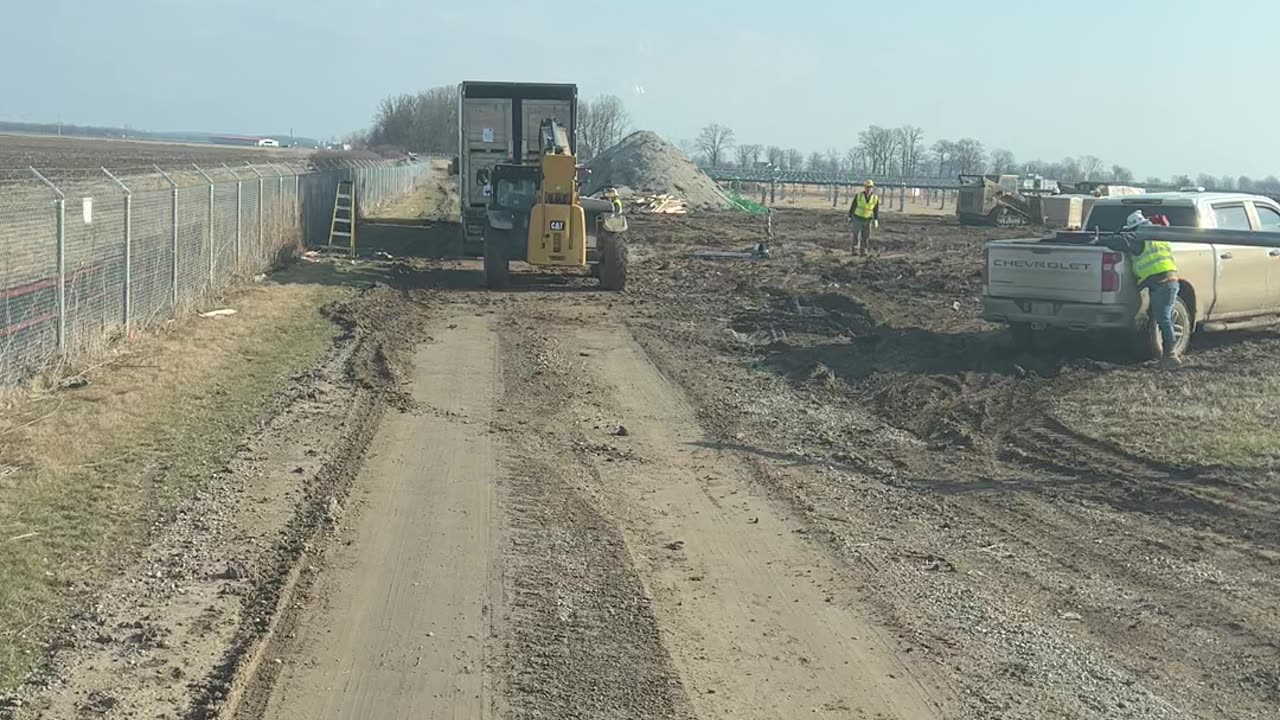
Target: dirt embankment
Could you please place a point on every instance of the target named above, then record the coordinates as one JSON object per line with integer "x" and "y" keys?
{"x": 645, "y": 163}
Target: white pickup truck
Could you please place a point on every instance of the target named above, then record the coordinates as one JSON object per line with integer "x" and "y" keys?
{"x": 1074, "y": 282}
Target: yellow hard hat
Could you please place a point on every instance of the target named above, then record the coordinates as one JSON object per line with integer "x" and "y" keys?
{"x": 869, "y": 183}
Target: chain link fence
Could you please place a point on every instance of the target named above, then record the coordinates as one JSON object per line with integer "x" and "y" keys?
{"x": 90, "y": 258}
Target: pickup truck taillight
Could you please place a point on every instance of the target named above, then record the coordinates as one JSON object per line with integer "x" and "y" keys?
{"x": 1110, "y": 278}
{"x": 986, "y": 264}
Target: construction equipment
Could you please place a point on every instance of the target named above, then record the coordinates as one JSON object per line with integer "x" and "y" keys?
{"x": 342, "y": 229}
{"x": 536, "y": 213}
{"x": 499, "y": 122}
{"x": 997, "y": 200}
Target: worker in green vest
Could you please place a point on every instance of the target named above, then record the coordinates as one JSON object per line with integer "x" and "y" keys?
{"x": 864, "y": 213}
{"x": 1155, "y": 270}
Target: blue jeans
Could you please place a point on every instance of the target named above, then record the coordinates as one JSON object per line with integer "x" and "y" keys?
{"x": 1163, "y": 296}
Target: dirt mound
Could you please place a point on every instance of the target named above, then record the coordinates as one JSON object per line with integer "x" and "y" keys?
{"x": 646, "y": 163}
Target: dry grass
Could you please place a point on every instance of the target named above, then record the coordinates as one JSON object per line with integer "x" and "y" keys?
{"x": 1196, "y": 416}
{"x": 436, "y": 198}
{"x": 83, "y": 472}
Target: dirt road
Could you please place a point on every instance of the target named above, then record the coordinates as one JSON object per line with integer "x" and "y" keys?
{"x": 510, "y": 544}
{"x": 402, "y": 625}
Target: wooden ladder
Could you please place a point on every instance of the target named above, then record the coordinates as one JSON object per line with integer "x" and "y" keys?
{"x": 342, "y": 231}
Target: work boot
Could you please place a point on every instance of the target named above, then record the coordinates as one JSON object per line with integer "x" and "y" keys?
{"x": 1171, "y": 361}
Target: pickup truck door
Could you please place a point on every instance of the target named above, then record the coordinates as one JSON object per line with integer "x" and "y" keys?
{"x": 1241, "y": 288}
{"x": 1268, "y": 219}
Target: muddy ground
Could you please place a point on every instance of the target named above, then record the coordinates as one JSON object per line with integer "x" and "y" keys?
{"x": 809, "y": 485}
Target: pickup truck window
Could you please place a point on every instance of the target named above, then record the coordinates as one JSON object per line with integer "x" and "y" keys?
{"x": 1110, "y": 218}
{"x": 1268, "y": 218}
{"x": 1231, "y": 217}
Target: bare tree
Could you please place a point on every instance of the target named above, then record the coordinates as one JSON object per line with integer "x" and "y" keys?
{"x": 776, "y": 156}
{"x": 1207, "y": 181}
{"x": 944, "y": 152}
{"x": 424, "y": 122}
{"x": 1244, "y": 183}
{"x": 1090, "y": 167}
{"x": 1121, "y": 175}
{"x": 1002, "y": 162}
{"x": 853, "y": 161}
{"x": 878, "y": 146}
{"x": 1226, "y": 182}
{"x": 1070, "y": 170}
{"x": 748, "y": 155}
{"x": 910, "y": 144}
{"x": 817, "y": 163}
{"x": 969, "y": 156}
{"x": 795, "y": 159}
{"x": 714, "y": 142}
{"x": 602, "y": 123}
{"x": 834, "y": 162}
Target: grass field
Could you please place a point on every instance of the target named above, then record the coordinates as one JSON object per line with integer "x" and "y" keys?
{"x": 83, "y": 472}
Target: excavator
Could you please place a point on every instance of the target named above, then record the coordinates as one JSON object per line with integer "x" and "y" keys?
{"x": 536, "y": 213}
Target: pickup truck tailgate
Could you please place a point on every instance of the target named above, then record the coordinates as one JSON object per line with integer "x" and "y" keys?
{"x": 1067, "y": 273}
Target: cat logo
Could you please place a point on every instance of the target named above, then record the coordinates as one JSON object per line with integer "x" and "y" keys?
{"x": 557, "y": 226}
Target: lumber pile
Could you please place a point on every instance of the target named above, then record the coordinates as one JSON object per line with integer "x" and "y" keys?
{"x": 662, "y": 204}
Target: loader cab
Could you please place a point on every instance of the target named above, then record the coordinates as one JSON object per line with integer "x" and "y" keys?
{"x": 514, "y": 193}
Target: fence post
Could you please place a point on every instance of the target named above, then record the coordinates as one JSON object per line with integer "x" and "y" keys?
{"x": 279, "y": 208}
{"x": 173, "y": 286}
{"x": 299, "y": 223}
{"x": 210, "y": 233}
{"x": 128, "y": 252}
{"x": 239, "y": 211}
{"x": 60, "y": 216}
{"x": 260, "y": 188}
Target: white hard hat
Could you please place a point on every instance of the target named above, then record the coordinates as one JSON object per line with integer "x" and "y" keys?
{"x": 1135, "y": 219}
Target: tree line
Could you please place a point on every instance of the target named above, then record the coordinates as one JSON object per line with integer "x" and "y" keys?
{"x": 903, "y": 151}
{"x": 427, "y": 122}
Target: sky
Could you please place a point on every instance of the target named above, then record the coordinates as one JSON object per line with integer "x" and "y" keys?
{"x": 1163, "y": 88}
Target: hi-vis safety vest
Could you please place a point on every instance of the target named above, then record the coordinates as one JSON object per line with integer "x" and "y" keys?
{"x": 1156, "y": 258}
{"x": 865, "y": 206}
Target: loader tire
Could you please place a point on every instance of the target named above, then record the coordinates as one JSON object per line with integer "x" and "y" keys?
{"x": 613, "y": 262}
{"x": 497, "y": 271}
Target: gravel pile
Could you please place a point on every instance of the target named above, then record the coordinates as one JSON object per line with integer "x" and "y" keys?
{"x": 647, "y": 164}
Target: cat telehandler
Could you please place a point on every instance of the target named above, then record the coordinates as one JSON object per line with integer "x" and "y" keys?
{"x": 535, "y": 213}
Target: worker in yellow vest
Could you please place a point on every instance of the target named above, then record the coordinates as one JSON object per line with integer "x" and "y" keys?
{"x": 1154, "y": 268}
{"x": 614, "y": 199}
{"x": 864, "y": 213}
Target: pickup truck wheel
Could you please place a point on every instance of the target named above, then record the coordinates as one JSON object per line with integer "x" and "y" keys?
{"x": 497, "y": 272}
{"x": 1150, "y": 346}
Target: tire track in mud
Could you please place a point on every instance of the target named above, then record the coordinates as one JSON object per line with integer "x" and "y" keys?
{"x": 584, "y": 642}
{"x": 379, "y": 326}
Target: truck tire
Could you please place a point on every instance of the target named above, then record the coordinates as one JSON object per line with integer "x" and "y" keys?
{"x": 497, "y": 272}
{"x": 613, "y": 262}
{"x": 1149, "y": 344}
